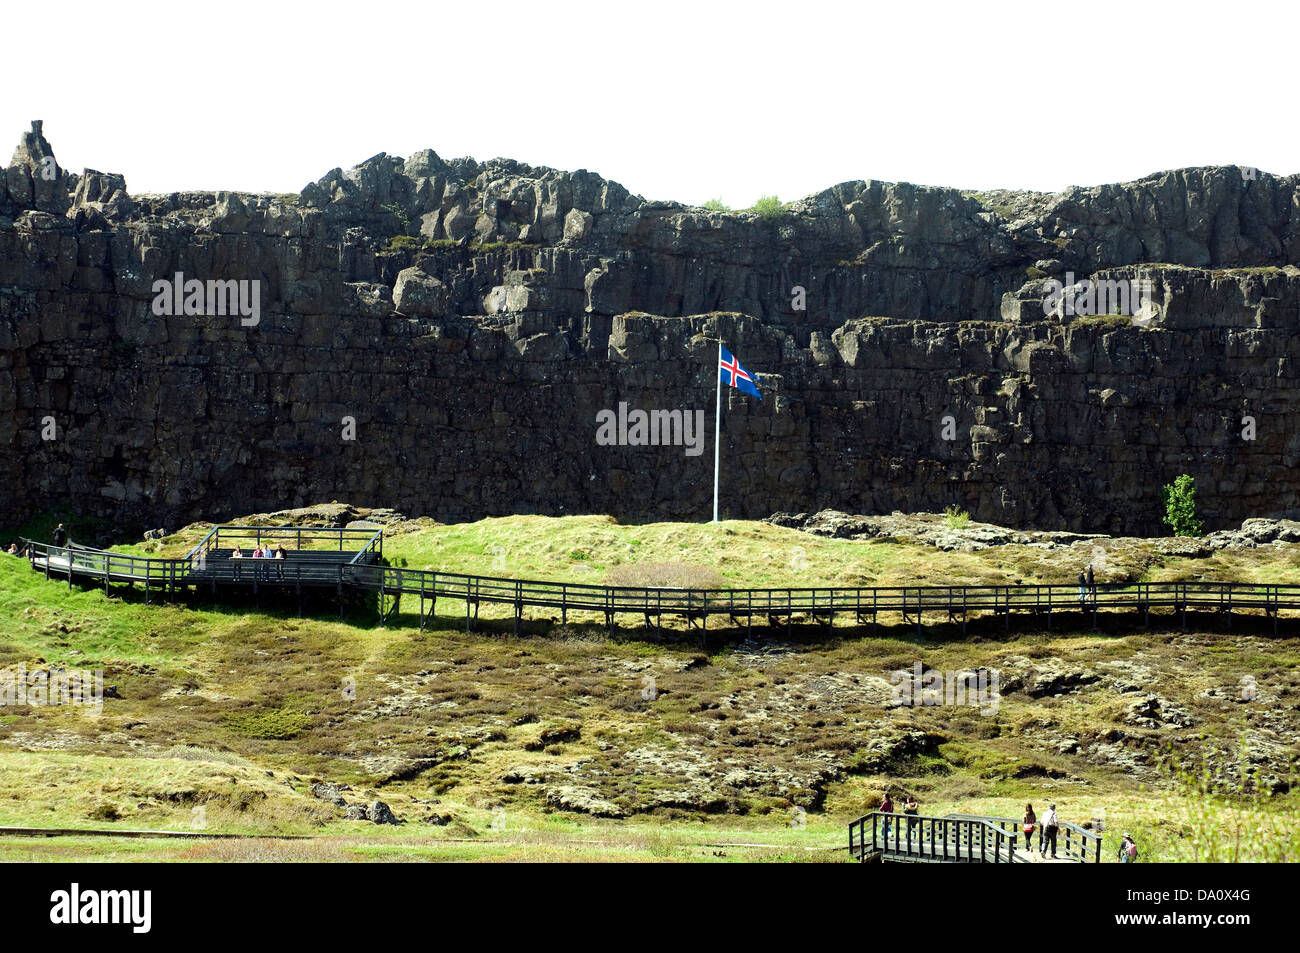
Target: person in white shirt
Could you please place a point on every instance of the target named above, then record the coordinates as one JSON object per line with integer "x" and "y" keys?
{"x": 1050, "y": 826}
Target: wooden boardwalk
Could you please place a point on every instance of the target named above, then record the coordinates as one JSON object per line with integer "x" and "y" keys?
{"x": 961, "y": 839}
{"x": 344, "y": 560}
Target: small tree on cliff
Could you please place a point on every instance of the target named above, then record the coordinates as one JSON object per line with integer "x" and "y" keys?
{"x": 1180, "y": 507}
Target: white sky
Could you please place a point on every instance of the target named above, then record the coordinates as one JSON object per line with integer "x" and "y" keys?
{"x": 675, "y": 100}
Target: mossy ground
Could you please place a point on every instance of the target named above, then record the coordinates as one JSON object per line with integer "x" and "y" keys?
{"x": 496, "y": 747}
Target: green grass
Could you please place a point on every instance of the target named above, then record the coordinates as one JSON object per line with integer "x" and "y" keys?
{"x": 278, "y": 723}
{"x": 237, "y": 710}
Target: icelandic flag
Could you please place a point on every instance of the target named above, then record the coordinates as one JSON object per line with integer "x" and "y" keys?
{"x": 733, "y": 375}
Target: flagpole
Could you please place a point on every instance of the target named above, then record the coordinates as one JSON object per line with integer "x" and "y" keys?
{"x": 717, "y": 430}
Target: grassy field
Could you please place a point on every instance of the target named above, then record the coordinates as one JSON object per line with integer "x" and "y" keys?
{"x": 564, "y": 743}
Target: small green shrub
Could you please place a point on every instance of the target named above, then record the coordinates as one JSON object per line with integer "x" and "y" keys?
{"x": 1180, "y": 506}
{"x": 768, "y": 208}
{"x": 716, "y": 205}
{"x": 403, "y": 243}
{"x": 955, "y": 517}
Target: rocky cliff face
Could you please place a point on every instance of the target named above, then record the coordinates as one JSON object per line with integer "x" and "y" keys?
{"x": 466, "y": 322}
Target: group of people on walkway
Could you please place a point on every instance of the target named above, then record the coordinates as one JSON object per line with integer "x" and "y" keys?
{"x": 1087, "y": 585}
{"x": 1047, "y": 830}
{"x": 1048, "y": 827}
{"x": 910, "y": 810}
{"x": 261, "y": 552}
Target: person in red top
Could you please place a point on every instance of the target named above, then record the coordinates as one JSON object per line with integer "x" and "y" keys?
{"x": 887, "y": 807}
{"x": 1028, "y": 824}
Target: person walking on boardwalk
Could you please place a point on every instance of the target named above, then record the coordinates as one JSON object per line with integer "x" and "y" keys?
{"x": 887, "y": 807}
{"x": 1128, "y": 850}
{"x": 60, "y": 536}
{"x": 279, "y": 554}
{"x": 1028, "y": 823}
{"x": 1083, "y": 587}
{"x": 1092, "y": 584}
{"x": 911, "y": 810}
{"x": 237, "y": 553}
{"x": 1050, "y": 826}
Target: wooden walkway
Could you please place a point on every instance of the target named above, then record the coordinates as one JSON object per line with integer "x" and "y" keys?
{"x": 344, "y": 560}
{"x": 961, "y": 839}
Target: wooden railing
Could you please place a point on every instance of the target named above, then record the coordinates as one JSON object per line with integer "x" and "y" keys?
{"x": 331, "y": 565}
{"x": 962, "y": 839}
{"x": 1072, "y": 841}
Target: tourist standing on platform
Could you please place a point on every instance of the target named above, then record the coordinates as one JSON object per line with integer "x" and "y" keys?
{"x": 60, "y": 536}
{"x": 1050, "y": 826}
{"x": 1028, "y": 823}
{"x": 279, "y": 554}
{"x": 1083, "y": 587}
{"x": 911, "y": 810}
{"x": 1092, "y": 584}
{"x": 237, "y": 553}
{"x": 887, "y": 807}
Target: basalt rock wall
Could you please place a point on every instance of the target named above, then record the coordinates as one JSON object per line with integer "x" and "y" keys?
{"x": 465, "y": 323}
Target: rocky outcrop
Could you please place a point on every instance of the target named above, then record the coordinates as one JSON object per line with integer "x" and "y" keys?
{"x": 1044, "y": 678}
{"x": 438, "y": 336}
{"x": 377, "y": 812}
{"x": 937, "y": 529}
